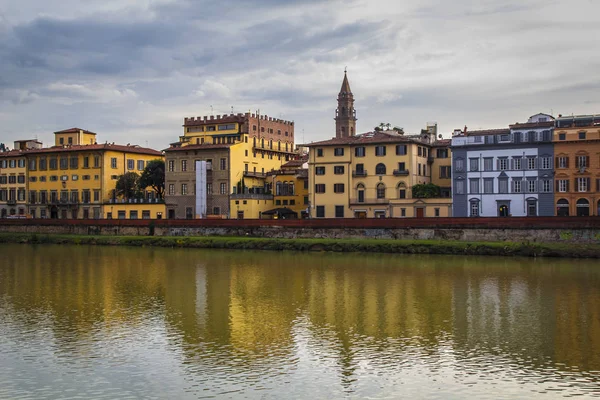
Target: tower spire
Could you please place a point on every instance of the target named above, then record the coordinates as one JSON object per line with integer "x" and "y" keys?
{"x": 345, "y": 114}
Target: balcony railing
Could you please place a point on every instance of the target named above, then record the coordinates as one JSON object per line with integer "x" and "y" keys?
{"x": 136, "y": 201}
{"x": 354, "y": 201}
{"x": 11, "y": 202}
{"x": 251, "y": 196}
{"x": 400, "y": 172}
{"x": 359, "y": 173}
{"x": 430, "y": 160}
{"x": 253, "y": 174}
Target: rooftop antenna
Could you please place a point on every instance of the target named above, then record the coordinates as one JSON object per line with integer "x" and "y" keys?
{"x": 232, "y": 109}
{"x": 211, "y": 110}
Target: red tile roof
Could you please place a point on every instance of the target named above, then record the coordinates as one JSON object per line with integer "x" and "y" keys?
{"x": 528, "y": 125}
{"x": 96, "y": 147}
{"x": 484, "y": 132}
{"x": 11, "y": 153}
{"x": 75, "y": 130}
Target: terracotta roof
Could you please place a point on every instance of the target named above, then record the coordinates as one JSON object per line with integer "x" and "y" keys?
{"x": 365, "y": 138}
{"x": 294, "y": 163}
{"x": 94, "y": 147}
{"x": 528, "y": 125}
{"x": 484, "y": 132}
{"x": 204, "y": 146}
{"x": 12, "y": 153}
{"x": 75, "y": 130}
{"x": 442, "y": 143}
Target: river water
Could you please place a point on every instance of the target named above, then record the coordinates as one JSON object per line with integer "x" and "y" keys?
{"x": 102, "y": 322}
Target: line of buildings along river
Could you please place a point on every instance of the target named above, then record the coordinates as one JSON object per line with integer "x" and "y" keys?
{"x": 249, "y": 166}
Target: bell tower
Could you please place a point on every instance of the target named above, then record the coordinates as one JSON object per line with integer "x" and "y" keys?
{"x": 345, "y": 115}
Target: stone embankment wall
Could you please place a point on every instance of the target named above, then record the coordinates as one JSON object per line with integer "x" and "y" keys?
{"x": 533, "y": 229}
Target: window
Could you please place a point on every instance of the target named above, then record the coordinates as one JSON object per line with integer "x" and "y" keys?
{"x": 223, "y": 164}
{"x": 474, "y": 186}
{"x": 380, "y": 191}
{"x": 502, "y": 164}
{"x": 359, "y": 152}
{"x": 338, "y": 151}
{"x": 445, "y": 172}
{"x": 546, "y": 186}
{"x": 401, "y": 149}
{"x": 488, "y": 164}
{"x": 517, "y": 163}
{"x": 581, "y": 135}
{"x": 401, "y": 166}
{"x": 488, "y": 185}
{"x": 96, "y": 196}
{"x": 380, "y": 169}
{"x": 53, "y": 163}
{"x": 516, "y": 186}
{"x": 184, "y": 189}
{"x": 74, "y": 162}
{"x": 113, "y": 162}
{"x": 216, "y": 210}
{"x": 459, "y": 187}
{"x": 319, "y": 152}
{"x": 21, "y": 179}
{"x": 459, "y": 165}
{"x": 319, "y": 170}
{"x": 338, "y": 188}
{"x": 563, "y": 162}
{"x": 562, "y": 185}
{"x": 562, "y": 136}
{"x": 442, "y": 153}
{"x": 183, "y": 165}
{"x": 583, "y": 184}
{"x": 505, "y": 138}
{"x": 130, "y": 164}
{"x": 338, "y": 170}
{"x": 12, "y": 179}
{"x": 380, "y": 151}
{"x": 473, "y": 164}
{"x": 223, "y": 188}
{"x": 419, "y": 150}
{"x": 474, "y": 209}
{"x": 503, "y": 185}
{"x": 32, "y": 164}
{"x": 546, "y": 162}
{"x": 531, "y": 186}
{"x": 419, "y": 169}
{"x": 74, "y": 177}
{"x": 226, "y": 127}
{"x": 43, "y": 164}
{"x": 436, "y": 212}
{"x": 531, "y": 163}
{"x": 140, "y": 165}
{"x": 339, "y": 211}
{"x": 305, "y": 200}
{"x": 320, "y": 188}
{"x": 209, "y": 189}
{"x": 171, "y": 189}
{"x": 171, "y": 166}
{"x": 403, "y": 212}
{"x": 96, "y": 161}
{"x": 320, "y": 211}
{"x": 582, "y": 162}
{"x": 64, "y": 163}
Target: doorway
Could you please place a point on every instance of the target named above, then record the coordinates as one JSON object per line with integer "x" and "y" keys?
{"x": 54, "y": 213}
{"x": 171, "y": 213}
{"x": 420, "y": 212}
{"x": 240, "y": 215}
{"x": 583, "y": 208}
{"x": 360, "y": 214}
{"x": 531, "y": 208}
{"x": 503, "y": 210}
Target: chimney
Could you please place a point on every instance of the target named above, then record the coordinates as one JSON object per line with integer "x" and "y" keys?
{"x": 465, "y": 130}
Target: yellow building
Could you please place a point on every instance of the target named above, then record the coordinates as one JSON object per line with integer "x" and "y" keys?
{"x": 373, "y": 175}
{"x": 76, "y": 179}
{"x": 289, "y": 186}
{"x": 239, "y": 150}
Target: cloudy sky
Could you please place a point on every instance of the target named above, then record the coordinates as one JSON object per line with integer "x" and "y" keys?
{"x": 130, "y": 70}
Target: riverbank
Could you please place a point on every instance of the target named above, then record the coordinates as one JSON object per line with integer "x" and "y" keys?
{"x": 524, "y": 249}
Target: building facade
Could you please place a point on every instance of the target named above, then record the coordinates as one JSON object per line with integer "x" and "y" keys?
{"x": 504, "y": 172}
{"x": 577, "y": 165}
{"x": 76, "y": 179}
{"x": 13, "y": 184}
{"x": 239, "y": 150}
{"x": 289, "y": 186}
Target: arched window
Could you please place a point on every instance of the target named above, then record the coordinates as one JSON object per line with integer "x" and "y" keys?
{"x": 262, "y": 143}
{"x": 279, "y": 145}
{"x": 278, "y": 187}
{"x": 270, "y": 144}
{"x": 474, "y": 208}
{"x": 343, "y": 130}
{"x": 380, "y": 169}
{"x": 401, "y": 190}
{"x": 380, "y": 191}
{"x": 351, "y": 131}
{"x": 562, "y": 208}
{"x": 343, "y": 110}
{"x": 583, "y": 208}
{"x": 360, "y": 193}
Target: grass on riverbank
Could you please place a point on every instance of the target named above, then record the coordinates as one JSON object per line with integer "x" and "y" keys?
{"x": 334, "y": 245}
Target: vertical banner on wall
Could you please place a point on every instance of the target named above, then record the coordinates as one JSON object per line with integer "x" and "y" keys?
{"x": 200, "y": 189}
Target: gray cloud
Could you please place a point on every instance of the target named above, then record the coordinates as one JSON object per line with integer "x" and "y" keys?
{"x": 127, "y": 68}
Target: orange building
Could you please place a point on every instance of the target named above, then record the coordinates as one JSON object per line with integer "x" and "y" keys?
{"x": 577, "y": 165}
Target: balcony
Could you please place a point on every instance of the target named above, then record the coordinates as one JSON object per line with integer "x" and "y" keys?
{"x": 400, "y": 172}
{"x": 254, "y": 174}
{"x": 251, "y": 196}
{"x": 361, "y": 172}
{"x": 430, "y": 160}
{"x": 11, "y": 202}
{"x": 356, "y": 201}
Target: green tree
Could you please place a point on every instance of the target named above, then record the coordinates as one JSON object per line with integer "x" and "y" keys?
{"x": 425, "y": 191}
{"x": 154, "y": 176}
{"x": 128, "y": 185}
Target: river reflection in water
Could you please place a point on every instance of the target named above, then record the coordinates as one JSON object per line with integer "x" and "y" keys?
{"x": 100, "y": 322}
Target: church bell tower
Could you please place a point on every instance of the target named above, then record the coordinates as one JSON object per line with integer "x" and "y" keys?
{"x": 345, "y": 115}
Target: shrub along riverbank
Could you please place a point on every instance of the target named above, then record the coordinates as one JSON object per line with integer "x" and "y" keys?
{"x": 333, "y": 245}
